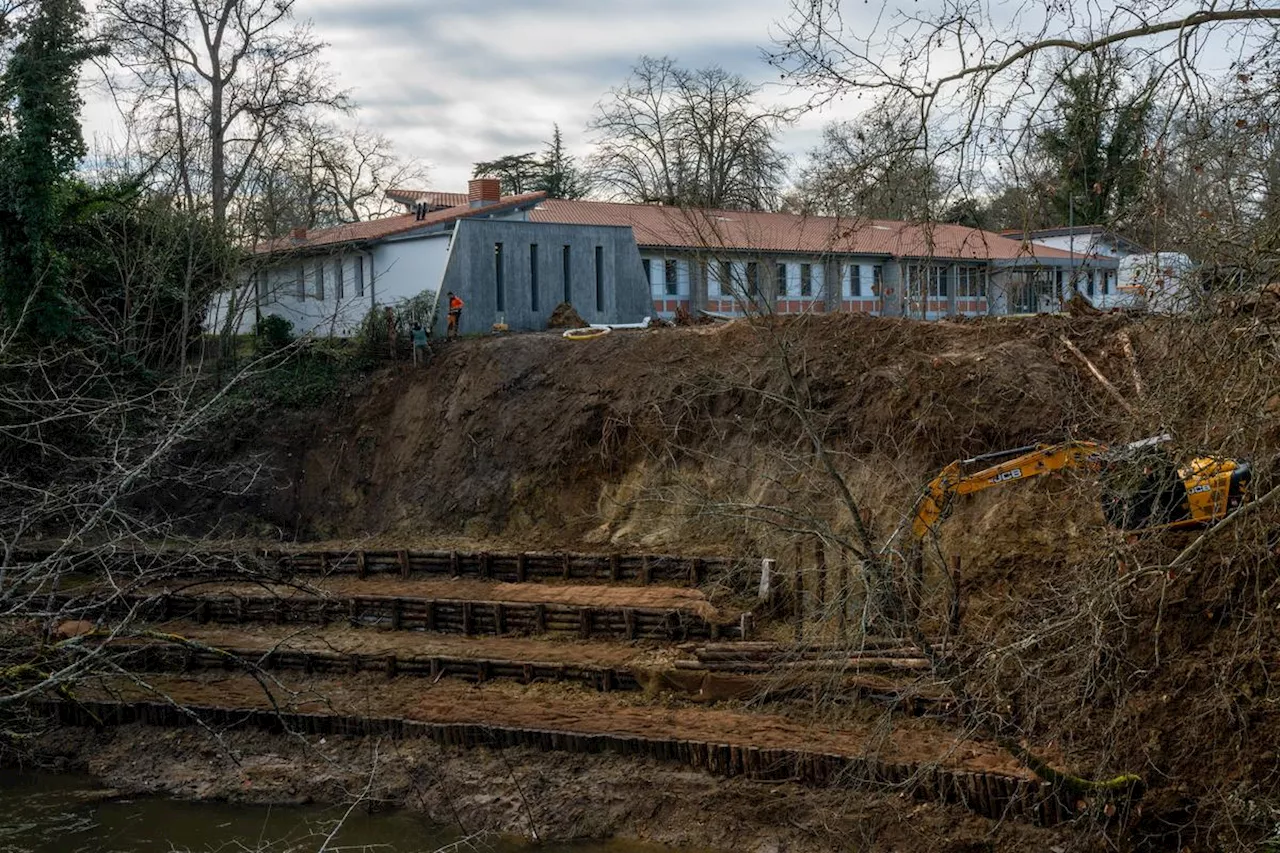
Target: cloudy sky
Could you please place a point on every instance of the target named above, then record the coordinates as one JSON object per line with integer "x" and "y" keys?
{"x": 456, "y": 81}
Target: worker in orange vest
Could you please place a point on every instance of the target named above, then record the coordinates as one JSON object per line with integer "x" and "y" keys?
{"x": 455, "y": 315}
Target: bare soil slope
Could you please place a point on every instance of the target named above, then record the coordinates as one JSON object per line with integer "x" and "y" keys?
{"x": 541, "y": 440}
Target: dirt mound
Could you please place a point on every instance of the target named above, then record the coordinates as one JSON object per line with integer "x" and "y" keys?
{"x": 523, "y": 438}
{"x": 565, "y": 316}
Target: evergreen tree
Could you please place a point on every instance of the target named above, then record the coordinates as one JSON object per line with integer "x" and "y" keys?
{"x": 518, "y": 173}
{"x": 40, "y": 145}
{"x": 561, "y": 177}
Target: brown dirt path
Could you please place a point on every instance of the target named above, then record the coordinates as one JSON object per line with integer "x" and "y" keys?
{"x": 562, "y": 708}
{"x": 676, "y": 598}
{"x": 344, "y": 640}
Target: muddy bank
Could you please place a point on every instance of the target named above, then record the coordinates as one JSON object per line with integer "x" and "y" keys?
{"x": 552, "y": 796}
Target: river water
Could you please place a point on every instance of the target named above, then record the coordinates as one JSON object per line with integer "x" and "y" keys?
{"x": 63, "y": 813}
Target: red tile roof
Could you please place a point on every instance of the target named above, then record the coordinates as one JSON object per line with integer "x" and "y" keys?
{"x": 432, "y": 197}
{"x": 785, "y": 232}
{"x": 376, "y": 229}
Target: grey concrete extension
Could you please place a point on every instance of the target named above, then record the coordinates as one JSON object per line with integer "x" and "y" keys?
{"x": 604, "y": 278}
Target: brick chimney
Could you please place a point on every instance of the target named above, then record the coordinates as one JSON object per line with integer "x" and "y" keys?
{"x": 484, "y": 191}
{"x": 298, "y": 233}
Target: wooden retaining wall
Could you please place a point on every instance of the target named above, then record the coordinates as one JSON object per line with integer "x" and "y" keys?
{"x": 443, "y": 615}
{"x": 512, "y": 567}
{"x": 158, "y": 658}
{"x": 992, "y": 795}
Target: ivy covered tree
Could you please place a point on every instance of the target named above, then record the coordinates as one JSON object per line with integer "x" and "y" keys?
{"x": 40, "y": 146}
{"x": 1095, "y": 139}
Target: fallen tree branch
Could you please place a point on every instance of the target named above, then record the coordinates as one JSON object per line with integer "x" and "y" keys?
{"x": 1097, "y": 374}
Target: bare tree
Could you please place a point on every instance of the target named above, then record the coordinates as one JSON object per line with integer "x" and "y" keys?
{"x": 873, "y": 167}
{"x": 212, "y": 87}
{"x": 692, "y": 138}
{"x": 319, "y": 175}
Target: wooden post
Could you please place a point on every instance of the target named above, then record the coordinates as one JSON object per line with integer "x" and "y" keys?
{"x": 486, "y": 567}
{"x": 540, "y": 618}
{"x": 391, "y": 666}
{"x": 499, "y": 618}
{"x": 956, "y": 611}
{"x": 430, "y": 615}
{"x": 797, "y": 591}
{"x": 584, "y": 622}
{"x": 565, "y": 569}
{"x": 522, "y": 567}
{"x": 820, "y": 573}
{"x": 842, "y": 596}
{"x": 614, "y": 568}
{"x": 395, "y": 614}
{"x": 746, "y": 625}
{"x": 646, "y": 573}
{"x": 455, "y": 565}
{"x": 403, "y": 557}
{"x": 629, "y": 622}
{"x": 764, "y": 595}
{"x": 361, "y": 569}
{"x": 466, "y": 618}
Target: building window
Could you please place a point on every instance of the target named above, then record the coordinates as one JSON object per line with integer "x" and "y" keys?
{"x": 806, "y": 279}
{"x": 969, "y": 283}
{"x": 599, "y": 278}
{"x": 726, "y": 278}
{"x": 877, "y": 278}
{"x": 938, "y": 278}
{"x": 1089, "y": 283}
{"x": 852, "y": 279}
{"x": 359, "y": 267}
{"x": 648, "y": 270}
{"x": 500, "y": 296}
{"x": 753, "y": 279}
{"x": 320, "y": 280}
{"x": 671, "y": 282}
{"x": 339, "y": 285}
{"x": 533, "y": 276}
{"x": 302, "y": 284}
{"x": 780, "y": 277}
{"x": 564, "y": 266}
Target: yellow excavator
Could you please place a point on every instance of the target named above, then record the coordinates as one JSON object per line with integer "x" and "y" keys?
{"x": 1142, "y": 487}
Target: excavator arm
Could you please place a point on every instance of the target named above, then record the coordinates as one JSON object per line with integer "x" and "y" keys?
{"x": 1030, "y": 461}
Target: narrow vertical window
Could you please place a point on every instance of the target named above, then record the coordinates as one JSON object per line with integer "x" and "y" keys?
{"x": 500, "y": 297}
{"x": 670, "y": 273}
{"x": 338, "y": 282}
{"x": 726, "y": 278}
{"x": 753, "y": 279}
{"x": 648, "y": 270}
{"x": 564, "y": 262}
{"x": 806, "y": 279}
{"x": 302, "y": 283}
{"x": 599, "y": 278}
{"x": 780, "y": 276}
{"x": 877, "y": 277}
{"x": 359, "y": 275}
{"x": 320, "y": 280}
{"x": 533, "y": 276}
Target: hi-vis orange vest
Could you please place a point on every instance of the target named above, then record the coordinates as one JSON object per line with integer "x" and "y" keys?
{"x": 455, "y": 304}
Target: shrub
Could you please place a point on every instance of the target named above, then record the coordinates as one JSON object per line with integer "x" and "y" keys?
{"x": 273, "y": 332}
